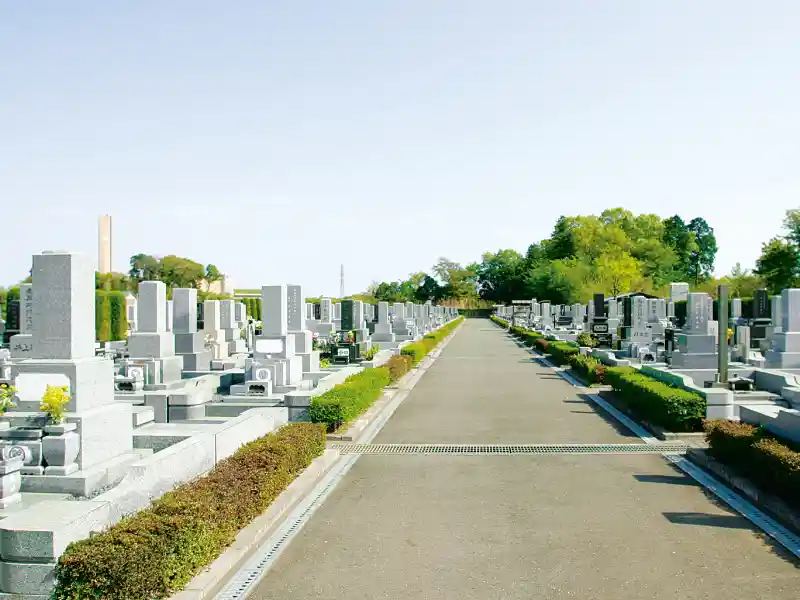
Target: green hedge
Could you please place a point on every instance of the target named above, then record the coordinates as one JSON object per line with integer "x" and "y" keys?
{"x": 155, "y": 552}
{"x": 475, "y": 313}
{"x": 119, "y": 315}
{"x": 347, "y": 401}
{"x": 769, "y": 462}
{"x": 588, "y": 367}
{"x": 419, "y": 349}
{"x": 102, "y": 317}
{"x": 110, "y": 316}
{"x": 561, "y": 352}
{"x": 673, "y": 408}
{"x": 502, "y": 322}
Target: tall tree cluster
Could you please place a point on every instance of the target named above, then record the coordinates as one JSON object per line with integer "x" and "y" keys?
{"x": 613, "y": 252}
{"x": 779, "y": 263}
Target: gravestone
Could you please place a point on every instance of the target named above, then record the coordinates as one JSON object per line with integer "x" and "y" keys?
{"x": 695, "y": 347}
{"x": 131, "y": 310}
{"x": 231, "y": 328}
{"x": 213, "y": 333}
{"x": 22, "y": 343}
{"x": 678, "y": 291}
{"x": 760, "y": 327}
{"x": 151, "y": 344}
{"x": 12, "y": 320}
{"x": 98, "y": 429}
{"x": 383, "y": 328}
{"x": 275, "y": 348}
{"x": 296, "y": 323}
{"x": 599, "y": 322}
{"x": 640, "y": 332}
{"x": 189, "y": 342}
{"x": 785, "y": 350}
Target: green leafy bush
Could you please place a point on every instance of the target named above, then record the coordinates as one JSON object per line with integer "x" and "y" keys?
{"x": 560, "y": 352}
{"x": 348, "y": 400}
{"x": 372, "y": 352}
{"x": 586, "y": 340}
{"x": 502, "y": 322}
{"x": 651, "y": 400}
{"x": 398, "y": 366}
{"x": 155, "y": 552}
{"x": 769, "y": 462}
{"x": 588, "y": 367}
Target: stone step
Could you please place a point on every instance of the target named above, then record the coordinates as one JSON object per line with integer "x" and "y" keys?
{"x": 142, "y": 415}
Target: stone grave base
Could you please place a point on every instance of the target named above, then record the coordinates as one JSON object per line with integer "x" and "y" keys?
{"x": 693, "y": 361}
{"x": 34, "y": 535}
{"x": 782, "y": 360}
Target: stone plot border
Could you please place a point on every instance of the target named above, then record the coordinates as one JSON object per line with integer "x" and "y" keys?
{"x": 737, "y": 503}
{"x": 254, "y": 567}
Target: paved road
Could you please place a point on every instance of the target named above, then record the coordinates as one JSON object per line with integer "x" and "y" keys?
{"x": 593, "y": 527}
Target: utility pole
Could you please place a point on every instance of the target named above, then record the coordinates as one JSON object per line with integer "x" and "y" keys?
{"x": 341, "y": 282}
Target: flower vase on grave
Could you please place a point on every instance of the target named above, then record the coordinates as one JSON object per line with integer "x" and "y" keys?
{"x": 26, "y": 437}
{"x": 60, "y": 447}
{"x": 12, "y": 458}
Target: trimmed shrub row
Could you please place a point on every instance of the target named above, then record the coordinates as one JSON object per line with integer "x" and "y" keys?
{"x": 588, "y": 367}
{"x": 418, "y": 350}
{"x": 769, "y": 462}
{"x": 110, "y": 317}
{"x": 656, "y": 402}
{"x": 348, "y": 400}
{"x": 155, "y": 552}
{"x": 252, "y": 307}
{"x": 562, "y": 352}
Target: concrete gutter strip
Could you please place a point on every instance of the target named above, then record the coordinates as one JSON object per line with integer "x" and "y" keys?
{"x": 208, "y": 582}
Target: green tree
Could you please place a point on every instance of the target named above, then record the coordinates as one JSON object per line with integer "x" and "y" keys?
{"x": 681, "y": 240}
{"x": 181, "y": 272}
{"x": 701, "y": 261}
{"x": 429, "y": 289}
{"x": 212, "y": 275}
{"x": 144, "y": 268}
{"x": 779, "y": 264}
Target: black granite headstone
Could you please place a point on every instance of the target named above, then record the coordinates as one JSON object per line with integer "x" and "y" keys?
{"x": 347, "y": 315}
{"x": 599, "y": 305}
{"x": 762, "y": 309}
{"x": 12, "y": 316}
{"x": 627, "y": 311}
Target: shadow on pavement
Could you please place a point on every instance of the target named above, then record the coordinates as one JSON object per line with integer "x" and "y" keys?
{"x": 708, "y": 520}
{"x": 619, "y": 427}
{"x": 673, "y": 479}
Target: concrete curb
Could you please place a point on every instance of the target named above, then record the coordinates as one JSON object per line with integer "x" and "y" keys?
{"x": 207, "y": 582}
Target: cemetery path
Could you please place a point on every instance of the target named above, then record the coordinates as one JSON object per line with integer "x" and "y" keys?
{"x": 606, "y": 527}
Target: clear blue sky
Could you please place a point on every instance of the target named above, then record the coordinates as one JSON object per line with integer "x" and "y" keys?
{"x": 279, "y": 139}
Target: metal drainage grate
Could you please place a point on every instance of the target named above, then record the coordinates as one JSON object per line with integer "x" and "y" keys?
{"x": 671, "y": 448}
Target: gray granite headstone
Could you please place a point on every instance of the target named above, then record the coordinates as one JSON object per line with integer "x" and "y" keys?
{"x": 296, "y": 318}
{"x": 184, "y": 310}
{"x": 274, "y": 307}
{"x": 64, "y": 306}
{"x": 152, "y": 307}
